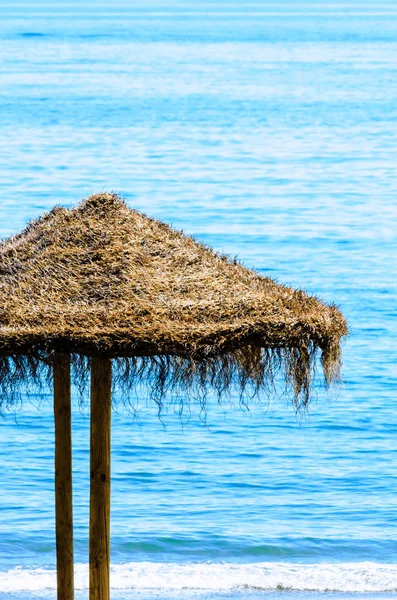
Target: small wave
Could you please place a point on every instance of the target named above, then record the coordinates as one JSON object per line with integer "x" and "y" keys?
{"x": 322, "y": 577}
{"x": 32, "y": 34}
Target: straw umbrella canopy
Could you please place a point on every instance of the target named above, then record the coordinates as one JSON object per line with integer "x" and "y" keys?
{"x": 106, "y": 287}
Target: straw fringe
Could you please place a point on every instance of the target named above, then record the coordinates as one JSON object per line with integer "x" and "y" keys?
{"x": 251, "y": 373}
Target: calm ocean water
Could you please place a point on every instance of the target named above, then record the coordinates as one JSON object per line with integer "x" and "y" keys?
{"x": 268, "y": 130}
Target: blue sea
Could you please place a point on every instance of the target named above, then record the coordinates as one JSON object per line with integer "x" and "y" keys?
{"x": 269, "y": 131}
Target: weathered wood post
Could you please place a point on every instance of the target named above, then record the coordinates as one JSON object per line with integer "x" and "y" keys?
{"x": 63, "y": 477}
{"x": 101, "y": 384}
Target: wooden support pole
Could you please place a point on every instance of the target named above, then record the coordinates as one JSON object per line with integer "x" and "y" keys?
{"x": 101, "y": 384}
{"x": 63, "y": 477}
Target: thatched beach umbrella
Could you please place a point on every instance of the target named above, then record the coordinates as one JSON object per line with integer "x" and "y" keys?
{"x": 104, "y": 286}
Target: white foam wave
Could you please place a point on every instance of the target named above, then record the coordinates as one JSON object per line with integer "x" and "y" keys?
{"x": 322, "y": 577}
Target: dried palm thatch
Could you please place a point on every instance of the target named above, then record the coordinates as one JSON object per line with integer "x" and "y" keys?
{"x": 104, "y": 280}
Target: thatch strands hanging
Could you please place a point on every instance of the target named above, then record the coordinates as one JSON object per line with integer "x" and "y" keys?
{"x": 104, "y": 288}
{"x": 104, "y": 280}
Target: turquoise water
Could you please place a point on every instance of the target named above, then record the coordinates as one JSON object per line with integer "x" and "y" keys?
{"x": 267, "y": 130}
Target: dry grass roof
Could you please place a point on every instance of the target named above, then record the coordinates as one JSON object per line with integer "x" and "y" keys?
{"x": 103, "y": 279}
